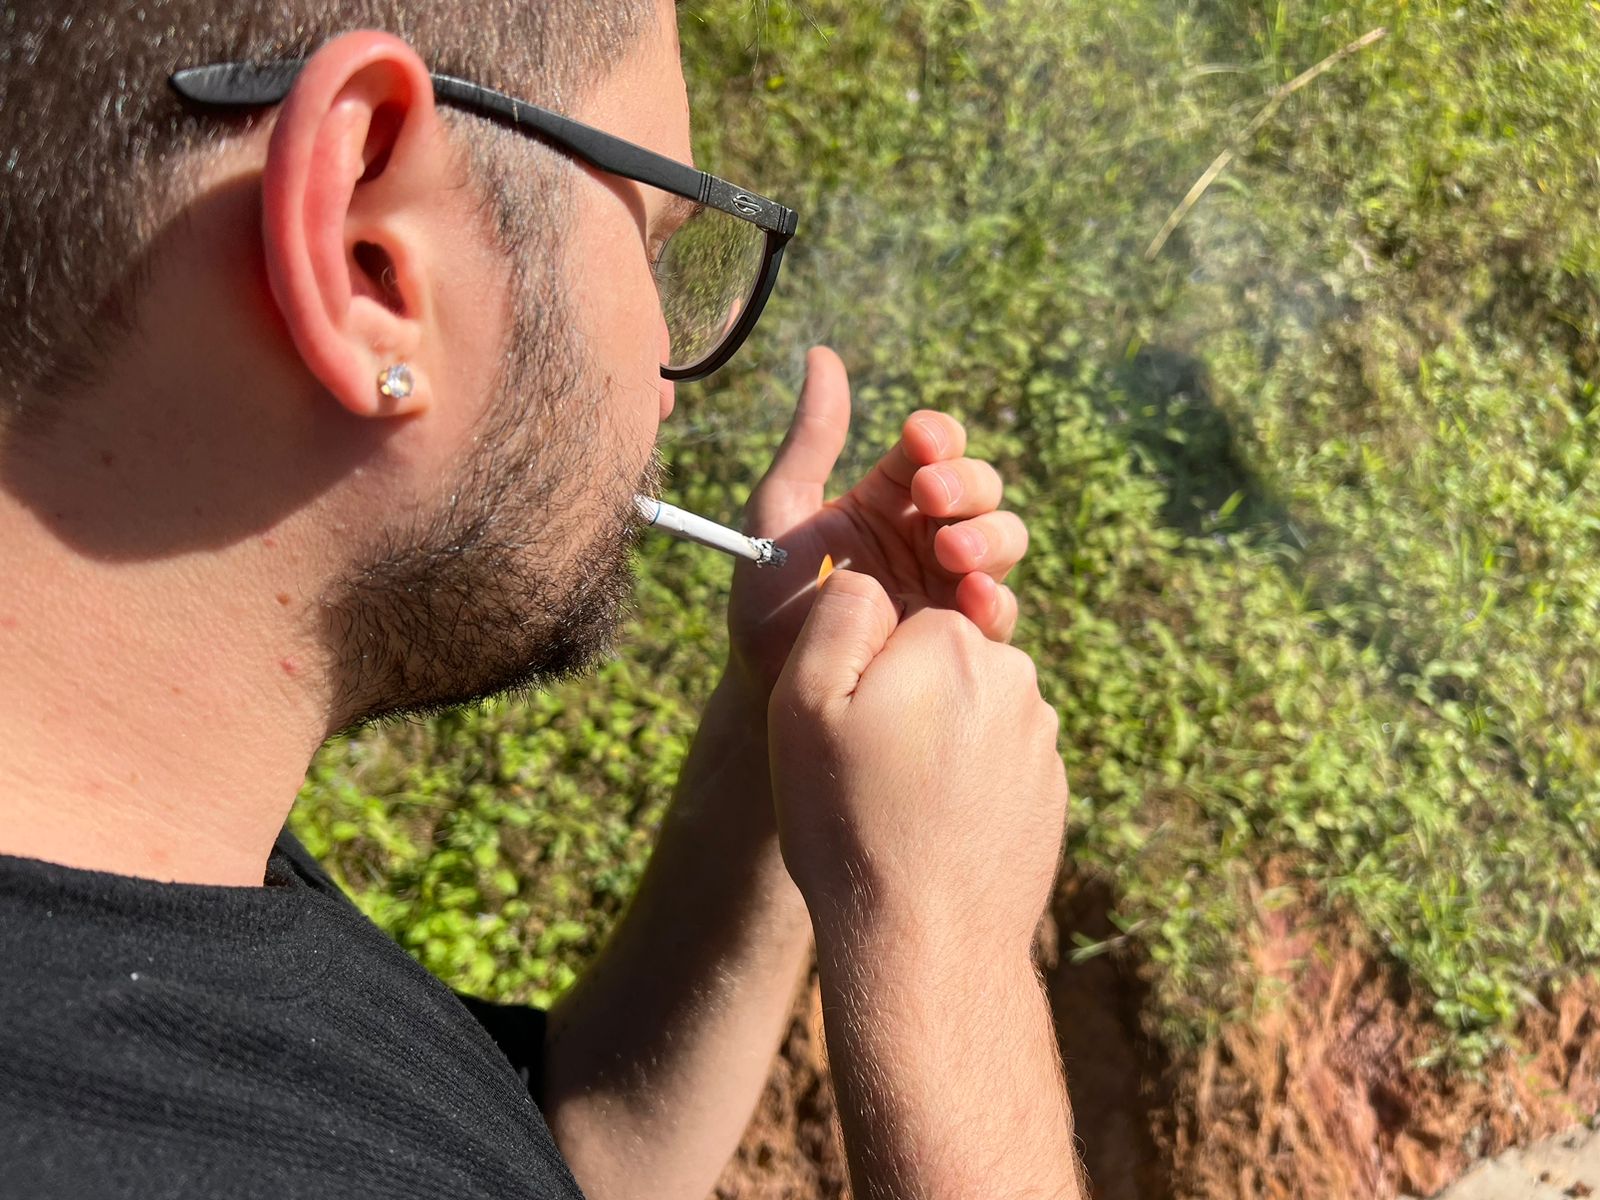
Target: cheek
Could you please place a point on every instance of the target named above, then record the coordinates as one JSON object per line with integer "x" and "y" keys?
{"x": 466, "y": 347}
{"x": 669, "y": 390}
{"x": 638, "y": 345}
{"x": 619, "y": 311}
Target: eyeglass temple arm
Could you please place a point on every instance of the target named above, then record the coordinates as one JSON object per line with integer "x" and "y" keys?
{"x": 248, "y": 85}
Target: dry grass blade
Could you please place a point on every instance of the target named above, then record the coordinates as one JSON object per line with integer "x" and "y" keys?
{"x": 1220, "y": 163}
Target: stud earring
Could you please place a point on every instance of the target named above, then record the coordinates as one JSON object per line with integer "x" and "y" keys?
{"x": 395, "y": 382}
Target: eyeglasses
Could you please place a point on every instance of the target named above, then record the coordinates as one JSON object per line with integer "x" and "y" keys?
{"x": 715, "y": 271}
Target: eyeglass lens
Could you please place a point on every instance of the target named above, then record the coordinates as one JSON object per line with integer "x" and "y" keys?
{"x": 705, "y": 275}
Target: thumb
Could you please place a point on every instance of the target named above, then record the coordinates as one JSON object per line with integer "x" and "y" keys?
{"x": 792, "y": 488}
{"x": 849, "y": 624}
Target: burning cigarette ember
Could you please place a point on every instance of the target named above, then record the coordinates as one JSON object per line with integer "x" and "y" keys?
{"x": 825, "y": 569}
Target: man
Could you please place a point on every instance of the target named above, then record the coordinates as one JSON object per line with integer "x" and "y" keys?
{"x": 321, "y": 400}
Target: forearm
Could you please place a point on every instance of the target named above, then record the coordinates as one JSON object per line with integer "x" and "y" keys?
{"x": 945, "y": 1062}
{"x": 655, "y": 1061}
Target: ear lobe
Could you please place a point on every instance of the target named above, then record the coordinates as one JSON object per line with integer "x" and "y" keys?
{"x": 355, "y": 155}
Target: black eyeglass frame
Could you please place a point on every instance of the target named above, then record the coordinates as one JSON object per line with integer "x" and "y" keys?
{"x": 258, "y": 85}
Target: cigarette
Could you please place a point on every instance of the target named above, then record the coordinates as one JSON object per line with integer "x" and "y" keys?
{"x": 670, "y": 519}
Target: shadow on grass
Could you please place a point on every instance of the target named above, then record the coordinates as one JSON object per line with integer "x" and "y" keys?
{"x": 1161, "y": 404}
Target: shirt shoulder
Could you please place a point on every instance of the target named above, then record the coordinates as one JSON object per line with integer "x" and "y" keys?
{"x": 306, "y": 868}
{"x": 179, "y": 1041}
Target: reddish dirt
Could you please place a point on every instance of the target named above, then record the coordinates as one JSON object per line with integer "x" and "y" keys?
{"x": 1115, "y": 1077}
{"x": 1322, "y": 1096}
{"x": 792, "y": 1150}
{"x": 1319, "y": 1098}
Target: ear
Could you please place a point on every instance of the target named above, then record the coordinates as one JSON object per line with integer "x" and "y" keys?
{"x": 355, "y": 158}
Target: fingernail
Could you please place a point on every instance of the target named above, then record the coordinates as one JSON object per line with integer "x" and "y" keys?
{"x": 935, "y": 434}
{"x": 975, "y": 544}
{"x": 951, "y": 485}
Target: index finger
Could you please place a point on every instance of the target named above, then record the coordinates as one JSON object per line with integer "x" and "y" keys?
{"x": 928, "y": 436}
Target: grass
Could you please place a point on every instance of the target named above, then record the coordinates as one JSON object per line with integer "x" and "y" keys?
{"x": 1316, "y": 570}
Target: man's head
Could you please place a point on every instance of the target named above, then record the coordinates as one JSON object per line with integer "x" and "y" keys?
{"x": 195, "y": 314}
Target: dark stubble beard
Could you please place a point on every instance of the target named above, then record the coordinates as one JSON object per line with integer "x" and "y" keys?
{"x": 486, "y": 596}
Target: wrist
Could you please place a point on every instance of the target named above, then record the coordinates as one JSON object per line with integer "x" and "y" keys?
{"x": 739, "y": 703}
{"x": 744, "y": 679}
{"x": 913, "y": 940}
{"x": 730, "y": 740}
{"x": 724, "y": 788}
{"x": 945, "y": 1062}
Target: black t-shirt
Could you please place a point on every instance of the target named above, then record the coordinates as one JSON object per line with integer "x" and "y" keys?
{"x": 178, "y": 1041}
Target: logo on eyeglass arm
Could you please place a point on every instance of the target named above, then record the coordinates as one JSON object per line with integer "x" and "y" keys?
{"x": 748, "y": 205}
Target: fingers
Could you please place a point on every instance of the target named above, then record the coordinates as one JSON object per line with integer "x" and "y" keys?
{"x": 927, "y": 437}
{"x": 793, "y": 486}
{"x": 991, "y": 606}
{"x": 962, "y": 487}
{"x": 981, "y": 544}
{"x": 992, "y": 543}
{"x": 848, "y": 625}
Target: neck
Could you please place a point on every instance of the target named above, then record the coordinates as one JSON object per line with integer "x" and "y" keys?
{"x": 155, "y": 721}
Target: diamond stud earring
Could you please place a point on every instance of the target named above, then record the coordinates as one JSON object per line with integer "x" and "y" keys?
{"x": 395, "y": 382}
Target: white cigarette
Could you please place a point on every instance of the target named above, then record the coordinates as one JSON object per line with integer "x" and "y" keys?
{"x": 671, "y": 519}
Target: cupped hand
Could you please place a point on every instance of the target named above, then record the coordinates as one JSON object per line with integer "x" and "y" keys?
{"x": 925, "y": 522}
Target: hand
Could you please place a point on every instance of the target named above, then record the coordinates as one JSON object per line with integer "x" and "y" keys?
{"x": 923, "y": 523}
{"x": 915, "y": 774}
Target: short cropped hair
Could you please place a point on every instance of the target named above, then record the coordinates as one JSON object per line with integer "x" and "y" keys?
{"x": 93, "y": 142}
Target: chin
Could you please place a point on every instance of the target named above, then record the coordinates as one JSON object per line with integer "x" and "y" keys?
{"x": 443, "y": 626}
{"x": 572, "y": 645}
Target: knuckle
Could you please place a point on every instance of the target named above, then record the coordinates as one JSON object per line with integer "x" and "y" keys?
{"x": 810, "y": 696}
{"x": 965, "y": 645}
{"x": 799, "y": 695}
{"x": 846, "y": 583}
{"x": 947, "y": 624}
{"x": 1050, "y": 722}
{"x": 783, "y": 705}
{"x": 1023, "y": 668}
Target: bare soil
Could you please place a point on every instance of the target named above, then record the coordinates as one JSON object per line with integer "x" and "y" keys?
{"x": 792, "y": 1149}
{"x": 1323, "y": 1095}
{"x": 1320, "y": 1097}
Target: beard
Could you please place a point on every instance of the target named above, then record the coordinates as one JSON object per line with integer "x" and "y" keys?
{"x": 522, "y": 576}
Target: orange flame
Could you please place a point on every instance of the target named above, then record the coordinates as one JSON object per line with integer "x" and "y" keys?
{"x": 825, "y": 569}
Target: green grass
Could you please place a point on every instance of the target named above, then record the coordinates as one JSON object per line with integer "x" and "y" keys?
{"x": 1316, "y": 570}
